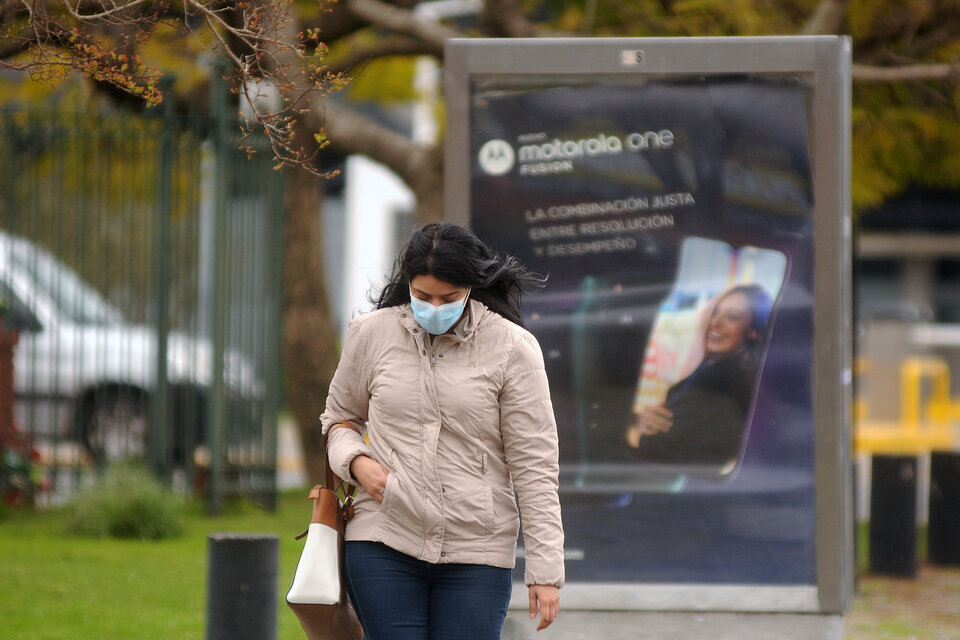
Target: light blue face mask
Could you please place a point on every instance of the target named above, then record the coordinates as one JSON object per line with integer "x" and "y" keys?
{"x": 437, "y": 320}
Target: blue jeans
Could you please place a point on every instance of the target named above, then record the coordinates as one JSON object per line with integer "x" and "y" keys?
{"x": 398, "y": 597}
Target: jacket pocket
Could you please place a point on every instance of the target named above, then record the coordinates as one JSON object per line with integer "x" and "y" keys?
{"x": 400, "y": 503}
{"x": 468, "y": 514}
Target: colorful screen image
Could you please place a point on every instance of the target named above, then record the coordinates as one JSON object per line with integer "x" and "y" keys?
{"x": 704, "y": 355}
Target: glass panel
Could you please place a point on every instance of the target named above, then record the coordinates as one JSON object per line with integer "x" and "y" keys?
{"x": 674, "y": 218}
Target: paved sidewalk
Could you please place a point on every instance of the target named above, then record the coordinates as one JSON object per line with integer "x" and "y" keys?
{"x": 629, "y": 625}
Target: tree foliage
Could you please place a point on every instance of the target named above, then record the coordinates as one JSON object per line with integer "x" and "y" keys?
{"x": 906, "y": 94}
{"x": 106, "y": 41}
{"x": 906, "y": 55}
{"x": 906, "y": 132}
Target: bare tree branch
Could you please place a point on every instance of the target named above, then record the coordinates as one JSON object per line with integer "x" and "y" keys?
{"x": 366, "y": 137}
{"x": 10, "y": 48}
{"x": 589, "y": 16}
{"x": 826, "y": 19}
{"x": 939, "y": 35}
{"x": 389, "y": 46}
{"x": 505, "y": 18}
{"x": 100, "y": 12}
{"x": 338, "y": 22}
{"x": 278, "y": 57}
{"x": 10, "y": 9}
{"x": 403, "y": 21}
{"x": 865, "y": 73}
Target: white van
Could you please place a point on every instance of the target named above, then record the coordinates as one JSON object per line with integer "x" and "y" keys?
{"x": 83, "y": 373}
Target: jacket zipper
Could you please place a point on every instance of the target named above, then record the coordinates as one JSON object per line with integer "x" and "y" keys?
{"x": 433, "y": 358}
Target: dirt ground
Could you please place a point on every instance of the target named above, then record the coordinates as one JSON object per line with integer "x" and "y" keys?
{"x": 923, "y": 608}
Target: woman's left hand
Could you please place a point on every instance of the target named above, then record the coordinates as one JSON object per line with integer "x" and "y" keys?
{"x": 548, "y": 599}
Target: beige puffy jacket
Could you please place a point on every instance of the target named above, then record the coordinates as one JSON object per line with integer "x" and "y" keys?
{"x": 460, "y": 425}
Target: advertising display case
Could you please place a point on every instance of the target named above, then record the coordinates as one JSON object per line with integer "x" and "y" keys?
{"x": 688, "y": 200}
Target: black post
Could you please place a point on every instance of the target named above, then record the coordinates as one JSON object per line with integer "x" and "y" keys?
{"x": 893, "y": 515}
{"x": 855, "y": 501}
{"x": 158, "y": 440}
{"x": 216, "y": 395}
{"x": 943, "y": 532}
{"x": 242, "y": 572}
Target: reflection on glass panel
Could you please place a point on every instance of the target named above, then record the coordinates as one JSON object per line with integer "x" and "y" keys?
{"x": 675, "y": 221}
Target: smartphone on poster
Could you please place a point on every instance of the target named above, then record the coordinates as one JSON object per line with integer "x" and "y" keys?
{"x": 704, "y": 357}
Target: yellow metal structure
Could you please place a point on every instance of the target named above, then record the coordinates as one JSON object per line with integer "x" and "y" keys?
{"x": 927, "y": 420}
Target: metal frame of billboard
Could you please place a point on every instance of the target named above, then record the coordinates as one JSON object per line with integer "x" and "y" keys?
{"x": 824, "y": 64}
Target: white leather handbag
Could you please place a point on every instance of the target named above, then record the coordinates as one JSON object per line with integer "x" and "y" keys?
{"x": 317, "y": 595}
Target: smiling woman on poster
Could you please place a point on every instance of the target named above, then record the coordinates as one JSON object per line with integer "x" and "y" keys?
{"x": 703, "y": 417}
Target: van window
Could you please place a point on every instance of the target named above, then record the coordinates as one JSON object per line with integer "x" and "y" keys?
{"x": 73, "y": 297}
{"x": 14, "y": 314}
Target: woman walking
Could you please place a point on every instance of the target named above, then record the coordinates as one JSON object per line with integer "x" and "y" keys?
{"x": 440, "y": 411}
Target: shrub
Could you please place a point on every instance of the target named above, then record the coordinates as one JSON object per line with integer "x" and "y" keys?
{"x": 127, "y": 501}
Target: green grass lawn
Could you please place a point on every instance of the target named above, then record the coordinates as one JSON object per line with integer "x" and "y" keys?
{"x": 54, "y": 586}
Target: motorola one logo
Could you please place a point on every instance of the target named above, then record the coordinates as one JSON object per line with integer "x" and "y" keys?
{"x": 496, "y": 157}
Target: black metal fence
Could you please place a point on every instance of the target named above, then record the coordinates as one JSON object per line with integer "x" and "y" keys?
{"x": 125, "y": 236}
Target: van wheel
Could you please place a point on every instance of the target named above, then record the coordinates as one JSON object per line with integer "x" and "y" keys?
{"x": 114, "y": 426}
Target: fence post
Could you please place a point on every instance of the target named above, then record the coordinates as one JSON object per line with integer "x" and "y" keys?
{"x": 943, "y": 526}
{"x": 8, "y": 340}
{"x": 242, "y": 572}
{"x": 158, "y": 442}
{"x": 215, "y": 403}
{"x": 893, "y": 515}
{"x": 273, "y": 345}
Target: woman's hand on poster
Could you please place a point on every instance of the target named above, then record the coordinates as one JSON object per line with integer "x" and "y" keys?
{"x": 633, "y": 432}
{"x": 654, "y": 419}
{"x": 547, "y": 598}
{"x": 371, "y": 475}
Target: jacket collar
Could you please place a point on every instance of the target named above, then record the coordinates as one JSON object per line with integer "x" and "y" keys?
{"x": 477, "y": 314}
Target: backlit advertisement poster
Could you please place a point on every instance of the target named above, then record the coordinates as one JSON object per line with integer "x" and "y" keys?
{"x": 674, "y": 220}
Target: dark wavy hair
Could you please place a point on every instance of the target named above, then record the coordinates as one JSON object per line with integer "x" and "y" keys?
{"x": 450, "y": 253}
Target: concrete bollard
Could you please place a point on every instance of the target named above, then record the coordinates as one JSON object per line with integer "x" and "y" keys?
{"x": 893, "y": 515}
{"x": 943, "y": 524}
{"x": 242, "y": 572}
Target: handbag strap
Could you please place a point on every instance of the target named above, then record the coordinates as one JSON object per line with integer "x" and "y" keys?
{"x": 333, "y": 481}
{"x": 334, "y": 485}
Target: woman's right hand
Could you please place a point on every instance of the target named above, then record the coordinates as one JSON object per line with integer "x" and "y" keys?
{"x": 654, "y": 419}
{"x": 371, "y": 475}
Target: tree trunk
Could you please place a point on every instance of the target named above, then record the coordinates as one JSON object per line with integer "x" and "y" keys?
{"x": 309, "y": 335}
{"x": 426, "y": 182}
